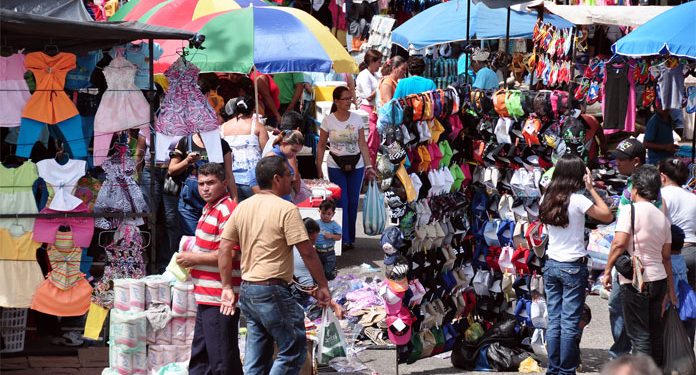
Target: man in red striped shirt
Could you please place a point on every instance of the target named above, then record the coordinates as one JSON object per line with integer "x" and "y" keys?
{"x": 214, "y": 349}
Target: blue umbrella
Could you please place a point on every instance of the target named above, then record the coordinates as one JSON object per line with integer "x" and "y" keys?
{"x": 672, "y": 32}
{"x": 446, "y": 22}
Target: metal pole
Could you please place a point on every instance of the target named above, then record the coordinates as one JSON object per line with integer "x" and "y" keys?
{"x": 153, "y": 210}
{"x": 468, "y": 55}
{"x": 507, "y": 32}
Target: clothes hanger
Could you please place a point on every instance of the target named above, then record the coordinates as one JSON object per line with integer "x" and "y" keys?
{"x": 51, "y": 49}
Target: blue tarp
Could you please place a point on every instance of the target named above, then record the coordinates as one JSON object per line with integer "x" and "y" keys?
{"x": 672, "y": 32}
{"x": 446, "y": 22}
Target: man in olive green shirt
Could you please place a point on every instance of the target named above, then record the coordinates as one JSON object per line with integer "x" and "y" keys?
{"x": 291, "y": 86}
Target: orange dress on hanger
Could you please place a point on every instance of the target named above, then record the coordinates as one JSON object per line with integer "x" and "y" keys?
{"x": 65, "y": 292}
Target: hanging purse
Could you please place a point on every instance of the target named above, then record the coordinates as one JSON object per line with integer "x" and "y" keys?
{"x": 624, "y": 263}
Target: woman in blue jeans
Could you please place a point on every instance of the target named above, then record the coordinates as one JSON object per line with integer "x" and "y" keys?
{"x": 349, "y": 158}
{"x": 563, "y": 210}
{"x": 190, "y": 153}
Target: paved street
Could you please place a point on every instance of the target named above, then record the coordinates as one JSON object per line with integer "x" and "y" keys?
{"x": 595, "y": 342}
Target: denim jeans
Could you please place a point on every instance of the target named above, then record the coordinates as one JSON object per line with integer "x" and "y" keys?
{"x": 272, "y": 315}
{"x": 168, "y": 230}
{"x": 622, "y": 344}
{"x": 350, "y": 184}
{"x": 643, "y": 317}
{"x": 188, "y": 218}
{"x": 243, "y": 192}
{"x": 565, "y": 284}
{"x": 328, "y": 260}
{"x": 215, "y": 349}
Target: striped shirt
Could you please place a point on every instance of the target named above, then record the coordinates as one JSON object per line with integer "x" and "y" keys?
{"x": 206, "y": 279}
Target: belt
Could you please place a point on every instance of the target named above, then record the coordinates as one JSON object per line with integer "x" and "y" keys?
{"x": 326, "y": 250}
{"x": 582, "y": 260}
{"x": 269, "y": 282}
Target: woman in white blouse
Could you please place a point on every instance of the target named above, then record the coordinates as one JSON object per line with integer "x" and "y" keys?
{"x": 366, "y": 89}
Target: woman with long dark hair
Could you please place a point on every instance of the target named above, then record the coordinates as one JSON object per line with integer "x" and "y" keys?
{"x": 349, "y": 158}
{"x": 563, "y": 210}
{"x": 645, "y": 233}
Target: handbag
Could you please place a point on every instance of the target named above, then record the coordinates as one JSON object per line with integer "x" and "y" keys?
{"x": 171, "y": 186}
{"x": 624, "y": 263}
{"x": 346, "y": 163}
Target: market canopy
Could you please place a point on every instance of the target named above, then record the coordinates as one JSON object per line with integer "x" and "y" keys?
{"x": 605, "y": 15}
{"x": 446, "y": 22}
{"x": 672, "y": 32}
{"x": 272, "y": 39}
{"x": 34, "y": 32}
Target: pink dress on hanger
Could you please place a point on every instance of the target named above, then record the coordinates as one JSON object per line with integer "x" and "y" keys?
{"x": 123, "y": 106}
{"x": 186, "y": 111}
{"x": 14, "y": 92}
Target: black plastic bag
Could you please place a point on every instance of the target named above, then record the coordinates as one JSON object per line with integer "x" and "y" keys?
{"x": 678, "y": 351}
{"x": 503, "y": 358}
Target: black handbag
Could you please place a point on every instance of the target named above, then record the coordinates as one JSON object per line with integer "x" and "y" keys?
{"x": 624, "y": 263}
{"x": 346, "y": 163}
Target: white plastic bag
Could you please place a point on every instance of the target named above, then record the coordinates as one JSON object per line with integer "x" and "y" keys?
{"x": 332, "y": 344}
{"x": 374, "y": 212}
{"x": 538, "y": 342}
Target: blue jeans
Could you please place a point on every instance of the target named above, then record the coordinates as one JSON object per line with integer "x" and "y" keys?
{"x": 168, "y": 230}
{"x": 350, "y": 184}
{"x": 215, "y": 349}
{"x": 565, "y": 284}
{"x": 243, "y": 192}
{"x": 622, "y": 344}
{"x": 188, "y": 216}
{"x": 328, "y": 260}
{"x": 272, "y": 315}
{"x": 689, "y": 255}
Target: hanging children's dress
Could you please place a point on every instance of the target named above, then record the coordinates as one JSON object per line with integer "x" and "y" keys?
{"x": 124, "y": 259}
{"x": 16, "y": 196}
{"x": 14, "y": 92}
{"x": 20, "y": 274}
{"x": 119, "y": 192}
{"x": 186, "y": 111}
{"x": 50, "y": 105}
{"x": 65, "y": 292}
{"x": 123, "y": 106}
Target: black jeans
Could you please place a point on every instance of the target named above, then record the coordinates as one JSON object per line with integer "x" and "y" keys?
{"x": 643, "y": 317}
{"x": 215, "y": 349}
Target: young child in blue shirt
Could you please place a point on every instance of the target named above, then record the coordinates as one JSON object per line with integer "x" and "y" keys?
{"x": 329, "y": 233}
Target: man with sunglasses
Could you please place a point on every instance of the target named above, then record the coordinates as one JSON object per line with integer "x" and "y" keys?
{"x": 265, "y": 227}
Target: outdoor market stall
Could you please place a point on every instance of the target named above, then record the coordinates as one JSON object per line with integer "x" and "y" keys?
{"x": 64, "y": 191}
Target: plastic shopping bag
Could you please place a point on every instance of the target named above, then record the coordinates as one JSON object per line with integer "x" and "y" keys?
{"x": 332, "y": 344}
{"x": 374, "y": 212}
{"x": 678, "y": 352}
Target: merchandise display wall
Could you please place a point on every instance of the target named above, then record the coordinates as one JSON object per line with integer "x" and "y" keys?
{"x": 463, "y": 172}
